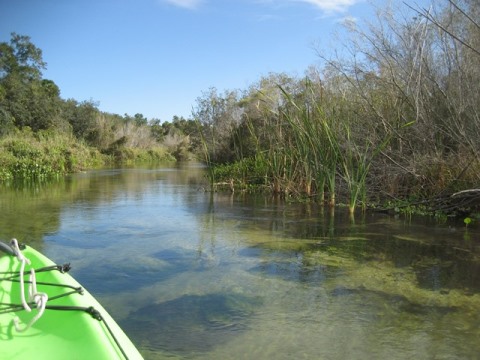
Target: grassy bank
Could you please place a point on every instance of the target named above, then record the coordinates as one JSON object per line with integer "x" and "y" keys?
{"x": 440, "y": 188}
{"x": 44, "y": 155}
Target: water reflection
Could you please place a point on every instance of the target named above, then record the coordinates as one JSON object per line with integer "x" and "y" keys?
{"x": 191, "y": 274}
{"x": 32, "y": 210}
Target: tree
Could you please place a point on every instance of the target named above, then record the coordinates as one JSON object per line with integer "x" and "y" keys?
{"x": 218, "y": 115}
{"x": 82, "y": 117}
{"x": 140, "y": 120}
{"x": 25, "y": 98}
{"x": 21, "y": 57}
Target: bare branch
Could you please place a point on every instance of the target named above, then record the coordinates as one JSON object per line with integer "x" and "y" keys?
{"x": 426, "y": 14}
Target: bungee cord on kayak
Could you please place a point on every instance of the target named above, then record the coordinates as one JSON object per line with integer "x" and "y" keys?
{"x": 40, "y": 300}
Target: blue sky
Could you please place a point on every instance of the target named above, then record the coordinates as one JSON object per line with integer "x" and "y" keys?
{"x": 156, "y": 57}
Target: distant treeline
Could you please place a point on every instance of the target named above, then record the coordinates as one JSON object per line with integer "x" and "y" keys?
{"x": 393, "y": 117}
{"x": 43, "y": 135}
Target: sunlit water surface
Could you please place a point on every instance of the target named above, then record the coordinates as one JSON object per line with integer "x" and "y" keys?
{"x": 194, "y": 275}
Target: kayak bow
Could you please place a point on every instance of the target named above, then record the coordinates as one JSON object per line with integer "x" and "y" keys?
{"x": 50, "y": 315}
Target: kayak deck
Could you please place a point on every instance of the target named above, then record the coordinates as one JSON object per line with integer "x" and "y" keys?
{"x": 73, "y": 326}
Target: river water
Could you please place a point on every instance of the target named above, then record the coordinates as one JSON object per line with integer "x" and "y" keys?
{"x": 191, "y": 274}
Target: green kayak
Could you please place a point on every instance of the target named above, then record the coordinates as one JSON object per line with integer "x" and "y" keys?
{"x": 47, "y": 314}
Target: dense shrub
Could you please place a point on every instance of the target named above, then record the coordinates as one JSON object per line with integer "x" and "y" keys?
{"x": 26, "y": 155}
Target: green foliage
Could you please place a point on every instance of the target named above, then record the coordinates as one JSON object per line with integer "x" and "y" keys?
{"x": 29, "y": 156}
{"x": 21, "y": 57}
{"x": 44, "y": 135}
{"x": 157, "y": 154}
{"x": 82, "y": 118}
{"x": 398, "y": 124}
{"x": 391, "y": 124}
{"x": 217, "y": 117}
{"x": 248, "y": 172}
{"x": 467, "y": 221}
{"x": 138, "y": 119}
{"x": 409, "y": 207}
{"x": 25, "y": 98}
{"x": 120, "y": 153}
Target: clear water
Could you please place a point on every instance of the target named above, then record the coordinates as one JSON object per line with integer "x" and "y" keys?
{"x": 194, "y": 275}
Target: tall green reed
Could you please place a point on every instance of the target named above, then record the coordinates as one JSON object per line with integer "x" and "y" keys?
{"x": 316, "y": 144}
{"x": 207, "y": 159}
{"x": 355, "y": 164}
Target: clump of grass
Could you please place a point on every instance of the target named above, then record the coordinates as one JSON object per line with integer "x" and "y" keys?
{"x": 248, "y": 174}
{"x": 355, "y": 163}
{"x": 316, "y": 144}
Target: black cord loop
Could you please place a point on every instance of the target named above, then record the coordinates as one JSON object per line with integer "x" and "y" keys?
{"x": 8, "y": 307}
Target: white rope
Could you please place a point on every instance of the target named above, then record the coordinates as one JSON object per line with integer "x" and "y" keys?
{"x": 39, "y": 298}
{"x": 23, "y": 261}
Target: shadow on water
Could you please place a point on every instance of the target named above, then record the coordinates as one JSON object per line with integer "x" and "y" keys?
{"x": 191, "y": 323}
{"x": 293, "y": 272}
{"x": 180, "y": 258}
{"x": 162, "y": 266}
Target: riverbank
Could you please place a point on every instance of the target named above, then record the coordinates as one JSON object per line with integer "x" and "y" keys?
{"x": 39, "y": 156}
{"x": 434, "y": 193}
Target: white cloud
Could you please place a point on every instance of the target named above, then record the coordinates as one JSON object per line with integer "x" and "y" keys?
{"x": 331, "y": 6}
{"x": 327, "y": 6}
{"x": 187, "y": 4}
{"x": 348, "y": 20}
